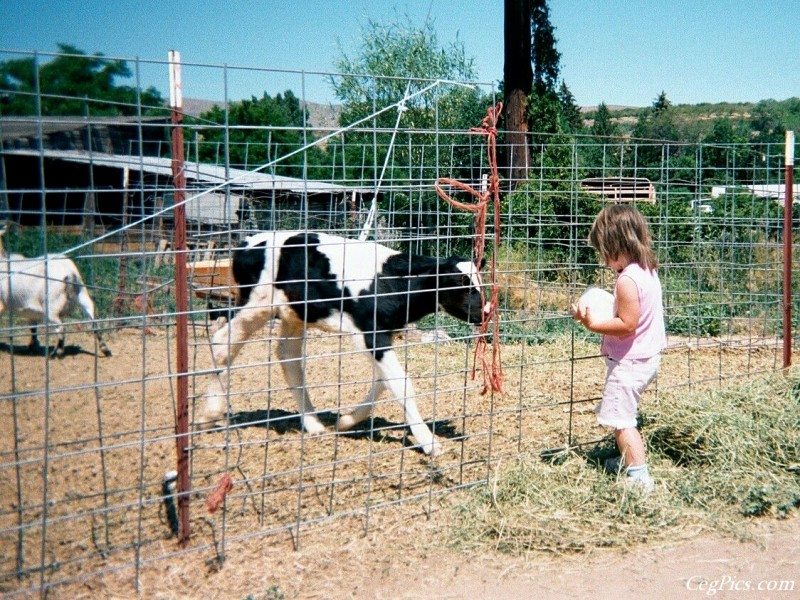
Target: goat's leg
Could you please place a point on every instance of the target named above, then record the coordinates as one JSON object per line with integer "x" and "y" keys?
{"x": 363, "y": 410}
{"x": 34, "y": 347}
{"x": 293, "y": 361}
{"x": 101, "y": 343}
{"x": 87, "y": 305}
{"x": 226, "y": 344}
{"x": 402, "y": 390}
{"x": 58, "y": 330}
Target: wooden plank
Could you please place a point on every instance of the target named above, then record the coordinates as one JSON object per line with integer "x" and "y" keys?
{"x": 213, "y": 279}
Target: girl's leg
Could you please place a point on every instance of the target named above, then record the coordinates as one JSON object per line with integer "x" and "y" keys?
{"x": 631, "y": 446}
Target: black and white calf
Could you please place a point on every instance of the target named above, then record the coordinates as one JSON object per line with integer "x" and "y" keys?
{"x": 341, "y": 285}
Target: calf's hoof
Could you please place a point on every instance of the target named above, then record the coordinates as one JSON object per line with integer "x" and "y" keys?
{"x": 434, "y": 448}
{"x": 204, "y": 424}
{"x": 213, "y": 413}
{"x": 346, "y": 422}
{"x": 312, "y": 425}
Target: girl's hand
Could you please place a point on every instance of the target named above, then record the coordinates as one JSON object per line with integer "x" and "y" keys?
{"x": 628, "y": 312}
{"x": 582, "y": 314}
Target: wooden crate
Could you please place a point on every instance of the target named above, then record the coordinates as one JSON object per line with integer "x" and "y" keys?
{"x": 213, "y": 279}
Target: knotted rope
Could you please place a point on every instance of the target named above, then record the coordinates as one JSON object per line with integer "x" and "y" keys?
{"x": 217, "y": 496}
{"x": 492, "y": 374}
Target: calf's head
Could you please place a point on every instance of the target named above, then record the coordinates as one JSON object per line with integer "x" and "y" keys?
{"x": 460, "y": 289}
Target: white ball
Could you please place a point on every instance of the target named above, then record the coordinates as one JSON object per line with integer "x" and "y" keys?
{"x": 600, "y": 303}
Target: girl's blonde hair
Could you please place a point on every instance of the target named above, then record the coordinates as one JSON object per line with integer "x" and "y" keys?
{"x": 621, "y": 230}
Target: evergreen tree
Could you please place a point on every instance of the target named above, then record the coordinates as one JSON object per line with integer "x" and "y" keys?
{"x": 545, "y": 57}
{"x": 571, "y": 118}
{"x": 544, "y": 104}
{"x": 726, "y": 147}
{"x": 661, "y": 104}
{"x": 602, "y": 157}
{"x": 549, "y": 110}
{"x": 603, "y": 127}
{"x": 654, "y": 132}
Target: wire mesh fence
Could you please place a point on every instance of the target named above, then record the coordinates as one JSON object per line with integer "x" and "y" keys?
{"x": 88, "y": 444}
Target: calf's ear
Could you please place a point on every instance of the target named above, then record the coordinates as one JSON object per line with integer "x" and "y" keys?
{"x": 482, "y": 265}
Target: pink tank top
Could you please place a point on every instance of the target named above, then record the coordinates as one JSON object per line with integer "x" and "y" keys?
{"x": 650, "y": 336}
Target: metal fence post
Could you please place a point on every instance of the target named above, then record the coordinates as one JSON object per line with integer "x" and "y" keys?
{"x": 788, "y": 206}
{"x": 181, "y": 297}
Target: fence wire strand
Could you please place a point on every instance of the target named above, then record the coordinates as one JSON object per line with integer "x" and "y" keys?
{"x": 88, "y": 441}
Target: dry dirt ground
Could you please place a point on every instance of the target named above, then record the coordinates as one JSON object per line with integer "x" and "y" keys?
{"x": 388, "y": 564}
{"x": 399, "y": 551}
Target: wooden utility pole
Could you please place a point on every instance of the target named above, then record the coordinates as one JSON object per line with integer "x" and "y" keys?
{"x": 517, "y": 84}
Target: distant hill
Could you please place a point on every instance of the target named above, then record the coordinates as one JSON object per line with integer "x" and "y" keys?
{"x": 610, "y": 107}
{"x": 694, "y": 120}
{"x": 194, "y": 107}
{"x": 325, "y": 116}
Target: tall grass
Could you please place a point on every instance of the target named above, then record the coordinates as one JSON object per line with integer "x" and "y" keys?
{"x": 720, "y": 458}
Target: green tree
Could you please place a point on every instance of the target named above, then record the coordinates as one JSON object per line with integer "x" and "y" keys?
{"x": 394, "y": 59}
{"x": 546, "y": 118}
{"x": 69, "y": 84}
{"x": 550, "y": 112}
{"x": 661, "y": 104}
{"x": 571, "y": 118}
{"x": 260, "y": 131}
{"x": 726, "y": 150}
{"x": 546, "y": 59}
{"x": 603, "y": 126}
{"x": 397, "y": 57}
{"x": 654, "y": 131}
{"x": 604, "y": 152}
{"x": 659, "y": 123}
{"x": 771, "y": 119}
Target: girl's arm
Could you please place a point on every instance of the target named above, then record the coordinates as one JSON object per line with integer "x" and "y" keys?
{"x": 628, "y": 312}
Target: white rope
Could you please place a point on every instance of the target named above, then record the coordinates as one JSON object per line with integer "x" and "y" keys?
{"x": 401, "y": 108}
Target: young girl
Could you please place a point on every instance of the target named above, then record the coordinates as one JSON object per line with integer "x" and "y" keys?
{"x": 634, "y": 338}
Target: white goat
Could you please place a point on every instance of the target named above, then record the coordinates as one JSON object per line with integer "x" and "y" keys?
{"x": 43, "y": 290}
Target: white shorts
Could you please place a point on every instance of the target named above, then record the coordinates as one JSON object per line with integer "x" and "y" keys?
{"x": 626, "y": 379}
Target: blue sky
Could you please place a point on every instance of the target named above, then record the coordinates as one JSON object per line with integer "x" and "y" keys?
{"x": 622, "y": 52}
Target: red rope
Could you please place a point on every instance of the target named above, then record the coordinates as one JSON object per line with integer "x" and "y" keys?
{"x": 216, "y": 497}
{"x": 492, "y": 374}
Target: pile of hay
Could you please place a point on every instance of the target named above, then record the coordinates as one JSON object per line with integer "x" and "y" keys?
{"x": 720, "y": 458}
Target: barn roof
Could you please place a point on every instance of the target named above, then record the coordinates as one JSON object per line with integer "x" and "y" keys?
{"x": 18, "y": 128}
{"x": 199, "y": 172}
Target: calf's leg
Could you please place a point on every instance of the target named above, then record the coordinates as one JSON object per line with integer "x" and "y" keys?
{"x": 293, "y": 362}
{"x": 226, "y": 343}
{"x": 363, "y": 410}
{"x": 397, "y": 382}
{"x": 34, "y": 347}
